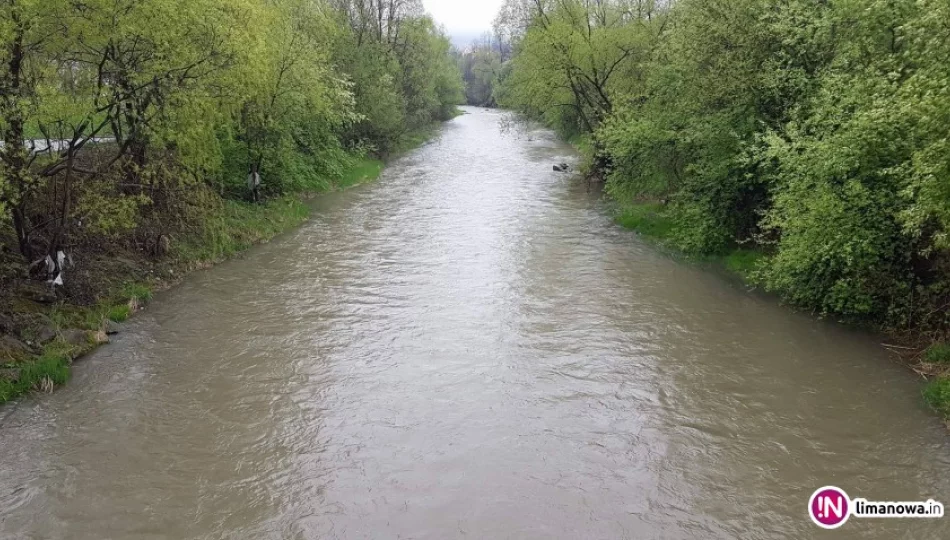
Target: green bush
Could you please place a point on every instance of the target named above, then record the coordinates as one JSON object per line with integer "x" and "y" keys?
{"x": 814, "y": 132}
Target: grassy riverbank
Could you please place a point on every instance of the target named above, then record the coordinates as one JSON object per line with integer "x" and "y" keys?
{"x": 653, "y": 222}
{"x": 41, "y": 336}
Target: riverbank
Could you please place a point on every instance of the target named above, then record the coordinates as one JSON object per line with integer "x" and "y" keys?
{"x": 927, "y": 355}
{"x": 41, "y": 335}
{"x": 929, "y": 358}
{"x": 651, "y": 220}
{"x": 441, "y": 329}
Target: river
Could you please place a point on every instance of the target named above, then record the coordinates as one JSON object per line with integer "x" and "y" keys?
{"x": 469, "y": 348}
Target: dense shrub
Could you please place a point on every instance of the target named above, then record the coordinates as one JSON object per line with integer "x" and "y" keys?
{"x": 812, "y": 131}
{"x": 137, "y": 113}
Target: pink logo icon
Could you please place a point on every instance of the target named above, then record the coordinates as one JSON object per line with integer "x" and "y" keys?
{"x": 829, "y": 507}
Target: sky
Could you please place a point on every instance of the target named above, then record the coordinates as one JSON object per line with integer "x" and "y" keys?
{"x": 464, "y": 20}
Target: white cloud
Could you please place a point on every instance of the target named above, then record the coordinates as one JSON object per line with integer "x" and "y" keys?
{"x": 463, "y": 17}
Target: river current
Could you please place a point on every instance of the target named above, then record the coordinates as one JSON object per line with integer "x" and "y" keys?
{"x": 469, "y": 348}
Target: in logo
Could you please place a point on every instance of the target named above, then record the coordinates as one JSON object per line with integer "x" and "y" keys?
{"x": 829, "y": 507}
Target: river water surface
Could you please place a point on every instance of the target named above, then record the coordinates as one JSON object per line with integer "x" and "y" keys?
{"x": 468, "y": 348}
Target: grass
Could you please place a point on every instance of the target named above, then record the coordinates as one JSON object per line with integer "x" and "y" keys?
{"x": 653, "y": 222}
{"x": 51, "y": 368}
{"x": 117, "y": 307}
{"x": 649, "y": 219}
{"x": 743, "y": 261}
{"x": 362, "y": 170}
{"x": 120, "y": 313}
{"x": 43, "y": 373}
{"x": 938, "y": 353}
{"x": 937, "y": 395}
{"x": 136, "y": 291}
{"x": 238, "y": 226}
{"x": 368, "y": 168}
{"x": 582, "y": 143}
{"x": 415, "y": 140}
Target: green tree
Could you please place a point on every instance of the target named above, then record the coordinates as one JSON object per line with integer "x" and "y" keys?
{"x": 813, "y": 131}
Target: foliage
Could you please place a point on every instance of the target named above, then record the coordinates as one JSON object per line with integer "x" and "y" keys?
{"x": 236, "y": 225}
{"x": 937, "y": 395}
{"x": 938, "y": 353}
{"x": 361, "y": 170}
{"x": 481, "y": 67}
{"x": 574, "y": 59}
{"x": 46, "y": 371}
{"x": 744, "y": 262}
{"x": 814, "y": 132}
{"x": 648, "y": 219}
{"x": 132, "y": 127}
{"x": 193, "y": 96}
{"x": 402, "y": 68}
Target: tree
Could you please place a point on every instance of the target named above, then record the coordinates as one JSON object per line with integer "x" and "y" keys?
{"x": 481, "y": 67}
{"x": 812, "y": 131}
{"x": 119, "y": 116}
{"x": 401, "y": 67}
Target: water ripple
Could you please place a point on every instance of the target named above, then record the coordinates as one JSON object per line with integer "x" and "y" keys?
{"x": 468, "y": 347}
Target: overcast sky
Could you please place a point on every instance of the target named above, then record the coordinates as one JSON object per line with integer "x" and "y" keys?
{"x": 464, "y": 20}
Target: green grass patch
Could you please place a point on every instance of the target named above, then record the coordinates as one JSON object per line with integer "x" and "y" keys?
{"x": 937, "y": 395}
{"x": 416, "y": 138}
{"x": 65, "y": 316}
{"x": 238, "y": 226}
{"x": 135, "y": 291}
{"x": 44, "y": 372}
{"x": 368, "y": 168}
{"x": 649, "y": 219}
{"x": 938, "y": 353}
{"x": 653, "y": 221}
{"x": 119, "y": 313}
{"x": 743, "y": 261}
{"x": 581, "y": 141}
{"x": 117, "y": 307}
{"x": 362, "y": 170}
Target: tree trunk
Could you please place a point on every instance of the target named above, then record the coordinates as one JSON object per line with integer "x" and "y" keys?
{"x": 14, "y": 156}
{"x": 21, "y": 224}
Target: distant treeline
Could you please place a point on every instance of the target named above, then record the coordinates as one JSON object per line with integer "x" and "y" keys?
{"x": 815, "y": 132}
{"x": 154, "y": 111}
{"x": 481, "y": 65}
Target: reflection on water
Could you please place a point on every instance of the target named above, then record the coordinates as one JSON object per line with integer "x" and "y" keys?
{"x": 468, "y": 348}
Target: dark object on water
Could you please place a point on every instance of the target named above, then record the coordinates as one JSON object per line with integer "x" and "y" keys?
{"x": 563, "y": 167}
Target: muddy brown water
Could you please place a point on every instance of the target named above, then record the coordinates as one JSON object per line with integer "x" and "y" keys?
{"x": 469, "y": 348}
